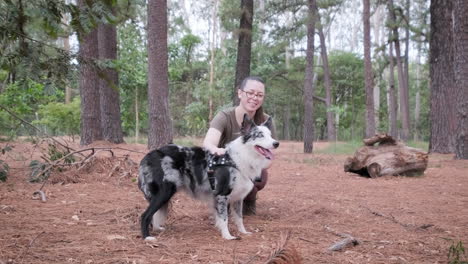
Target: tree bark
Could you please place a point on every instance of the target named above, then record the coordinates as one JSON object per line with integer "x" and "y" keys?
{"x": 461, "y": 76}
{"x": 160, "y": 125}
{"x": 331, "y": 133}
{"x": 404, "y": 95}
{"x": 369, "y": 80}
{"x": 212, "y": 58}
{"x": 111, "y": 123}
{"x": 392, "y": 98}
{"x": 89, "y": 86}
{"x": 308, "y": 82}
{"x": 244, "y": 46}
{"x": 443, "y": 98}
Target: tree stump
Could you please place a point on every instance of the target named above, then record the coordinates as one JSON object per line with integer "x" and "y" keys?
{"x": 389, "y": 157}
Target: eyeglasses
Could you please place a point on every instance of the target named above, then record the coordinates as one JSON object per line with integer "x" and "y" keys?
{"x": 252, "y": 95}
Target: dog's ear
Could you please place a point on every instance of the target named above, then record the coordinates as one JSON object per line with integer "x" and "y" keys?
{"x": 247, "y": 124}
{"x": 268, "y": 123}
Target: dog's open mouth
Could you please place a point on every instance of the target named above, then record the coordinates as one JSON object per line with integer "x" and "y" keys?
{"x": 264, "y": 152}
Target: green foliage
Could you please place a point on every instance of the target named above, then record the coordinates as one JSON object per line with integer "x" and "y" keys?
{"x": 24, "y": 100}
{"x": 424, "y": 145}
{"x": 60, "y": 118}
{"x": 342, "y": 148}
{"x": 456, "y": 254}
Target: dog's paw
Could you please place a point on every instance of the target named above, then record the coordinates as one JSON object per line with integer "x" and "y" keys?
{"x": 229, "y": 237}
{"x": 150, "y": 238}
{"x": 159, "y": 228}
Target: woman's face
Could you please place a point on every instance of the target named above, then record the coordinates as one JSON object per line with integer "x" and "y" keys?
{"x": 252, "y": 96}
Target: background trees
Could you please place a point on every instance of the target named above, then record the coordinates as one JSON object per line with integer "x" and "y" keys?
{"x": 204, "y": 56}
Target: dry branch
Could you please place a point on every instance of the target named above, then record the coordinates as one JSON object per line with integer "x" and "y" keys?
{"x": 394, "y": 220}
{"x": 41, "y": 194}
{"x": 347, "y": 241}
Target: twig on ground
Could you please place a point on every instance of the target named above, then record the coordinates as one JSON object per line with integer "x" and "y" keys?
{"x": 42, "y": 194}
{"x": 350, "y": 241}
{"x": 347, "y": 241}
{"x": 394, "y": 220}
{"x": 28, "y": 247}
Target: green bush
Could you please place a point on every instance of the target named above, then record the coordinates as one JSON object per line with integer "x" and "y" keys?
{"x": 59, "y": 118}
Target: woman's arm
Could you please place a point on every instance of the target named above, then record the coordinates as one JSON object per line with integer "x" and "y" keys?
{"x": 211, "y": 141}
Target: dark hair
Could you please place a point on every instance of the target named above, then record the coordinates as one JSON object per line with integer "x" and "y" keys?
{"x": 250, "y": 78}
{"x": 259, "y": 116}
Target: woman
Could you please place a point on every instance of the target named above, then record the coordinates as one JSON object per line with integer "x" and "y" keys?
{"x": 225, "y": 127}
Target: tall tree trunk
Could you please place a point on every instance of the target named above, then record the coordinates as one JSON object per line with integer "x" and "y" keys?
{"x": 111, "y": 123}
{"x": 443, "y": 97}
{"x": 461, "y": 76}
{"x": 66, "y": 47}
{"x": 89, "y": 86}
{"x": 160, "y": 125}
{"x": 404, "y": 95}
{"x": 244, "y": 46}
{"x": 331, "y": 134}
{"x": 369, "y": 80}
{"x": 308, "y": 84}
{"x": 212, "y": 58}
{"x": 392, "y": 98}
{"x": 407, "y": 44}
{"x": 137, "y": 116}
{"x": 378, "y": 19}
{"x": 417, "y": 99}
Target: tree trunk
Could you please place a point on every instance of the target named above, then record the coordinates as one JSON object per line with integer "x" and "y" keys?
{"x": 89, "y": 86}
{"x": 461, "y": 76}
{"x": 417, "y": 99}
{"x": 308, "y": 83}
{"x": 378, "y": 19}
{"x": 406, "y": 58}
{"x": 443, "y": 97}
{"x": 244, "y": 46}
{"x": 404, "y": 95}
{"x": 137, "y": 116}
{"x": 212, "y": 58}
{"x": 160, "y": 125}
{"x": 331, "y": 134}
{"x": 388, "y": 158}
{"x": 66, "y": 48}
{"x": 392, "y": 98}
{"x": 111, "y": 123}
{"x": 369, "y": 80}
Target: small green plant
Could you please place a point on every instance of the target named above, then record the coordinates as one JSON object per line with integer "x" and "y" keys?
{"x": 456, "y": 254}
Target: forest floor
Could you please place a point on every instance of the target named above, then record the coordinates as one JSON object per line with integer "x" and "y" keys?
{"x": 91, "y": 214}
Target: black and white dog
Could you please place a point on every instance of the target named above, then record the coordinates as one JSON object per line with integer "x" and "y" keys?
{"x": 171, "y": 168}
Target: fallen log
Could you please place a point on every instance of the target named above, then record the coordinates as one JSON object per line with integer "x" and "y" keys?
{"x": 389, "y": 157}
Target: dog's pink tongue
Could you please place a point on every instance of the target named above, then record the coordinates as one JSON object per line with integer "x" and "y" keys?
{"x": 268, "y": 154}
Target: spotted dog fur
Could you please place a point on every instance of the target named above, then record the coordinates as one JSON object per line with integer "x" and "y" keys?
{"x": 172, "y": 168}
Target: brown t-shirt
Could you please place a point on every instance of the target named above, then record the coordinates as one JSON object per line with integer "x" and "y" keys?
{"x": 226, "y": 123}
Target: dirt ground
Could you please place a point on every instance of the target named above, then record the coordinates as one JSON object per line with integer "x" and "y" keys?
{"x": 92, "y": 213}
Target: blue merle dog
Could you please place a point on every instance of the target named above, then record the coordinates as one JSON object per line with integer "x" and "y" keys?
{"x": 223, "y": 180}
